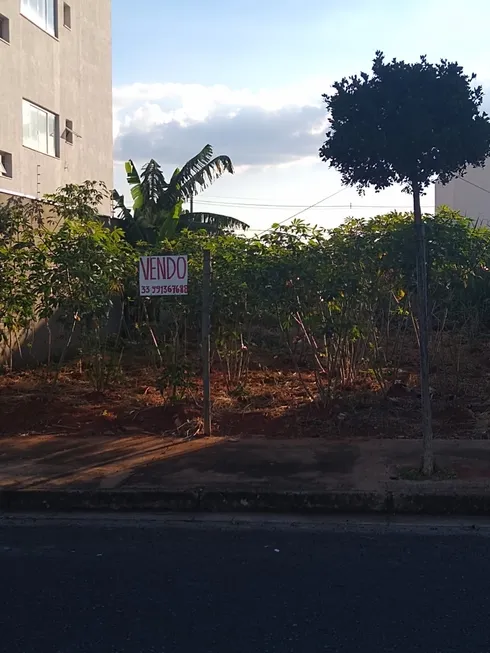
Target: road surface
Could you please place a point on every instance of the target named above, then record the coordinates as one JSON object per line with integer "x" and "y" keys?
{"x": 141, "y": 586}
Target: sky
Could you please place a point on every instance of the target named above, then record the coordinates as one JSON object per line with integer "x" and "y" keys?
{"x": 247, "y": 77}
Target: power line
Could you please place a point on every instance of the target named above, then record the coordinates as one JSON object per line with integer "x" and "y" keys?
{"x": 305, "y": 206}
{"x": 475, "y": 185}
{"x": 306, "y": 209}
{"x": 244, "y": 201}
{"x": 218, "y": 197}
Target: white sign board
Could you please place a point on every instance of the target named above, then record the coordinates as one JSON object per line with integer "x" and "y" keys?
{"x": 163, "y": 275}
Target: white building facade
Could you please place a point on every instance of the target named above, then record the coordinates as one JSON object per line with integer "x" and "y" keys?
{"x": 470, "y": 195}
{"x": 56, "y": 95}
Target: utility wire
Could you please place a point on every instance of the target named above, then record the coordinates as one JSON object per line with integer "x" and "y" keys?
{"x": 219, "y": 197}
{"x": 306, "y": 209}
{"x": 245, "y": 203}
{"x": 304, "y": 206}
{"x": 473, "y": 184}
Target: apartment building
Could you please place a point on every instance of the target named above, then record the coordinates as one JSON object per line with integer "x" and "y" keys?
{"x": 55, "y": 95}
{"x": 470, "y": 194}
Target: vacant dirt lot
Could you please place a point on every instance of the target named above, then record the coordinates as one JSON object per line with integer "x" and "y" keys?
{"x": 272, "y": 403}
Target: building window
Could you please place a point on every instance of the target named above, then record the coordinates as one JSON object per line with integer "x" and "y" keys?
{"x": 41, "y": 12}
{"x": 4, "y": 28}
{"x": 69, "y": 132}
{"x": 66, "y": 15}
{"x": 5, "y": 164}
{"x": 39, "y": 129}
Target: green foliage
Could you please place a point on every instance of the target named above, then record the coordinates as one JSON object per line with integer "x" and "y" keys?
{"x": 101, "y": 358}
{"x": 198, "y": 173}
{"x": 338, "y": 304}
{"x": 344, "y": 300}
{"x": 78, "y": 201}
{"x": 21, "y": 266}
{"x": 59, "y": 263}
{"x": 175, "y": 380}
{"x": 405, "y": 123}
{"x": 88, "y": 264}
{"x": 157, "y": 203}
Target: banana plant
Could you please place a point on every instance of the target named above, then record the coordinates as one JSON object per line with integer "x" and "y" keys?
{"x": 157, "y": 211}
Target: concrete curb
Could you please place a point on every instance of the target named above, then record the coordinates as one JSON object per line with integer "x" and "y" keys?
{"x": 98, "y": 501}
{"x": 438, "y": 503}
{"x": 189, "y": 500}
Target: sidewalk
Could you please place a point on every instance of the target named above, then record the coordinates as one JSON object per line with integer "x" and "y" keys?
{"x": 250, "y": 474}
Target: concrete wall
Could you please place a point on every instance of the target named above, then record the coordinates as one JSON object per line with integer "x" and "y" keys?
{"x": 463, "y": 196}
{"x": 49, "y": 338}
{"x": 47, "y": 211}
{"x": 69, "y": 75}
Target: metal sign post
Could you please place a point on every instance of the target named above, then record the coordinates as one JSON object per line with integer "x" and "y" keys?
{"x": 206, "y": 341}
{"x": 161, "y": 276}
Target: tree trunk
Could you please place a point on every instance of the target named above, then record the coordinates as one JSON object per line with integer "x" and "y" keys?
{"x": 423, "y": 315}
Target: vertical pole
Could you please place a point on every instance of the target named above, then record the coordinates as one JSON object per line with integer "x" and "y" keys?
{"x": 423, "y": 301}
{"x": 191, "y": 203}
{"x": 206, "y": 346}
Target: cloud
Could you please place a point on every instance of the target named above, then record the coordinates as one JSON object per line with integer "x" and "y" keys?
{"x": 251, "y": 136}
{"x": 171, "y": 122}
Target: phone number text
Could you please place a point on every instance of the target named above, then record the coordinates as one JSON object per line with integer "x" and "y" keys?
{"x": 163, "y": 290}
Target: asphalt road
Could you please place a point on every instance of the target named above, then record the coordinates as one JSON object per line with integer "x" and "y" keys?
{"x": 139, "y": 587}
